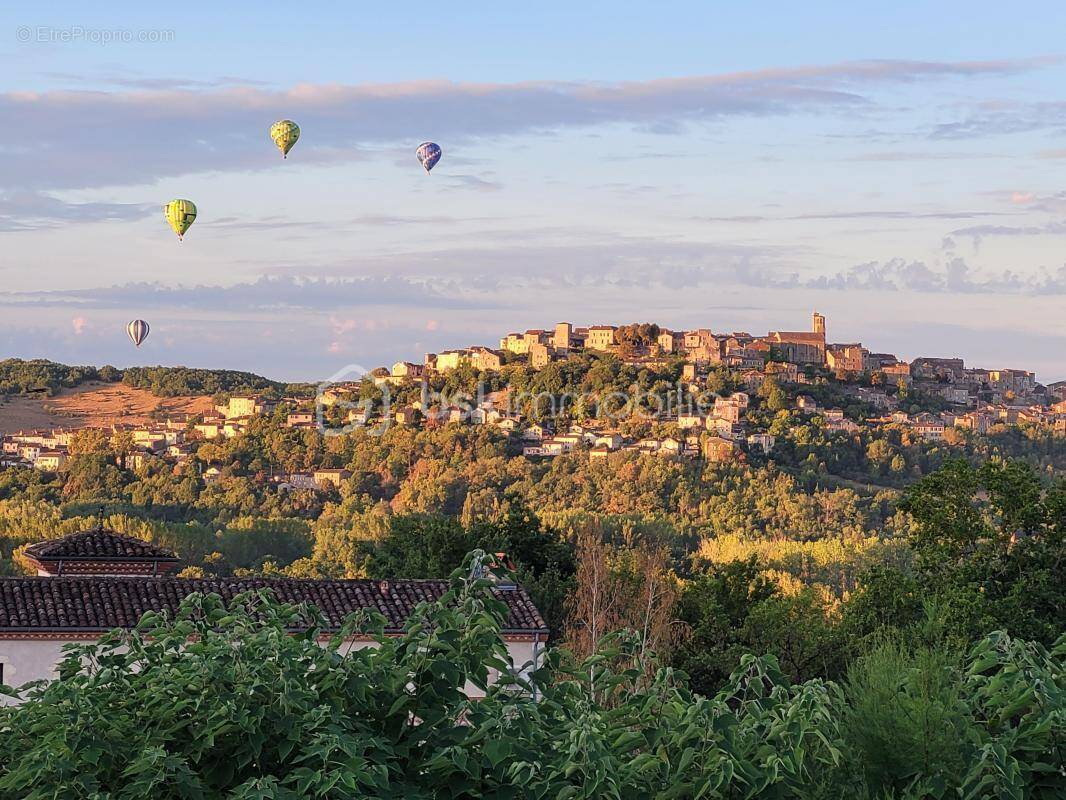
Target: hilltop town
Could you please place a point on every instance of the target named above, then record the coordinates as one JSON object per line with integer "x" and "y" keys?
{"x": 929, "y": 397}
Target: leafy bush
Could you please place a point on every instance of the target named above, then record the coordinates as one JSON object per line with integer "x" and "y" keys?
{"x": 245, "y": 702}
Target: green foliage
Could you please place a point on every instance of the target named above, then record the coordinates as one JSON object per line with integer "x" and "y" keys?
{"x": 990, "y": 544}
{"x": 245, "y": 702}
{"x": 428, "y": 546}
{"x": 175, "y": 381}
{"x": 25, "y": 377}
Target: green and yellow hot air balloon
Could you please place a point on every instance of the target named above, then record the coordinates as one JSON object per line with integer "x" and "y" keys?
{"x": 180, "y": 215}
{"x": 284, "y": 132}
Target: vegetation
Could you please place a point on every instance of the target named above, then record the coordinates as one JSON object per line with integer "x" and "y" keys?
{"x": 175, "y": 381}
{"x": 223, "y": 702}
{"x": 47, "y": 377}
{"x": 18, "y": 376}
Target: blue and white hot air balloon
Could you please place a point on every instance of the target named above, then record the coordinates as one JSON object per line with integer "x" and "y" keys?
{"x": 429, "y": 154}
{"x": 137, "y": 331}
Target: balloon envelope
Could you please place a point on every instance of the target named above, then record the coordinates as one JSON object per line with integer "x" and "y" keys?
{"x": 137, "y": 331}
{"x": 180, "y": 214}
{"x": 284, "y": 132}
{"x": 429, "y": 154}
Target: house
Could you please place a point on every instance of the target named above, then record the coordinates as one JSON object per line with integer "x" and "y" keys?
{"x": 136, "y": 459}
{"x": 941, "y": 369}
{"x": 541, "y": 355}
{"x": 509, "y": 423}
{"x": 212, "y": 475}
{"x": 405, "y": 370}
{"x": 728, "y": 408}
{"x": 846, "y": 358}
{"x": 95, "y": 581}
{"x": 670, "y": 341}
{"x": 304, "y": 481}
{"x": 331, "y": 477}
{"x": 601, "y": 337}
{"x": 406, "y": 416}
{"x": 50, "y": 460}
{"x": 670, "y": 447}
{"x": 1018, "y": 381}
{"x": 928, "y": 427}
{"x": 612, "y": 440}
{"x": 208, "y": 430}
{"x": 536, "y": 432}
{"x": 692, "y": 420}
{"x": 300, "y": 419}
{"x": 956, "y": 395}
{"x": 764, "y": 441}
{"x": 724, "y": 428}
{"x": 246, "y": 406}
{"x": 718, "y": 449}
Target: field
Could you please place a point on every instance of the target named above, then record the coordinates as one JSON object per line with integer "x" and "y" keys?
{"x": 92, "y": 405}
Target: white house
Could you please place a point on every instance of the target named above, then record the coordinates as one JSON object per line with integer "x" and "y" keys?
{"x": 91, "y": 582}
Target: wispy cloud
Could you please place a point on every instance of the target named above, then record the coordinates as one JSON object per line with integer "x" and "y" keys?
{"x": 266, "y": 293}
{"x": 889, "y": 214}
{"x": 28, "y": 210}
{"x": 901, "y": 275}
{"x": 976, "y": 233}
{"x": 143, "y": 132}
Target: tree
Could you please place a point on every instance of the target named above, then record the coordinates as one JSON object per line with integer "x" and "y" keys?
{"x": 621, "y": 589}
{"x": 991, "y": 545}
{"x": 420, "y": 546}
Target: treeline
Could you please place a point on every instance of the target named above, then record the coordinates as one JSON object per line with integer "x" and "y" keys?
{"x": 18, "y": 376}
{"x": 175, "y": 381}
{"x": 47, "y": 377}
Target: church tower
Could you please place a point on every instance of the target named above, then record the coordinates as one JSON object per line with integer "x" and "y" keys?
{"x": 818, "y": 323}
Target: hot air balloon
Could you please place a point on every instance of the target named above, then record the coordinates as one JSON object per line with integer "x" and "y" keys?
{"x": 429, "y": 154}
{"x": 180, "y": 214}
{"x": 137, "y": 331}
{"x": 284, "y": 132}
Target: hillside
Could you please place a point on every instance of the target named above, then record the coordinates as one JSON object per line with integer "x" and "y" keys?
{"x": 92, "y": 404}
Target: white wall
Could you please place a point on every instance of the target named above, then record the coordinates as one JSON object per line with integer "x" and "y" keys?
{"x": 28, "y": 660}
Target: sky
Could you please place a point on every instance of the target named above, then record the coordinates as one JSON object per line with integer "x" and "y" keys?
{"x": 735, "y": 166}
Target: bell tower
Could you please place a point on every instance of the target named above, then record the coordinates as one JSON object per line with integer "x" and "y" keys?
{"x": 818, "y": 323}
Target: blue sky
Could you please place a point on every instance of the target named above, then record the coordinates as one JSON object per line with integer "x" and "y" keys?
{"x": 722, "y": 165}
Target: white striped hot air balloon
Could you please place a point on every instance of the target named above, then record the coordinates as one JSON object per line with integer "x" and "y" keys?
{"x": 137, "y": 331}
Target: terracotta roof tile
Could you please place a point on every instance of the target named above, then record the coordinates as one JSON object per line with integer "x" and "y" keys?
{"x": 99, "y": 544}
{"x": 101, "y": 603}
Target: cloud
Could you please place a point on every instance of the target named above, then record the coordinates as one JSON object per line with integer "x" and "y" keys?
{"x": 79, "y": 138}
{"x": 27, "y": 210}
{"x": 901, "y": 275}
{"x": 893, "y": 156}
{"x": 78, "y": 324}
{"x": 264, "y": 294}
{"x": 852, "y": 215}
{"x": 976, "y": 233}
{"x": 1000, "y": 118}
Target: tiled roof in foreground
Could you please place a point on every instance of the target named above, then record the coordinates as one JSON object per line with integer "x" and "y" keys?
{"x": 92, "y": 604}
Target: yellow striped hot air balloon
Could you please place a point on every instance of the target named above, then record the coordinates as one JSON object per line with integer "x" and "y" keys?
{"x": 284, "y": 132}
{"x": 180, "y": 214}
